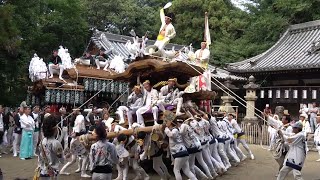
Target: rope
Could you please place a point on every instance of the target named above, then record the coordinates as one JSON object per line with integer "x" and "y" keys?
{"x": 59, "y": 133}
{"x": 118, "y": 98}
{"x": 234, "y": 98}
{"x": 227, "y": 92}
{"x": 87, "y": 101}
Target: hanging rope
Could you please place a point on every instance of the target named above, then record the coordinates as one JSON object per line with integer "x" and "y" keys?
{"x": 87, "y": 101}
{"x": 118, "y": 98}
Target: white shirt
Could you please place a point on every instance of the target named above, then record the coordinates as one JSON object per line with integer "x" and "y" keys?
{"x": 175, "y": 141}
{"x": 215, "y": 130}
{"x": 1, "y": 123}
{"x": 188, "y": 135}
{"x": 235, "y": 126}
{"x": 79, "y": 124}
{"x": 27, "y": 122}
{"x": 226, "y": 127}
{"x": 317, "y": 135}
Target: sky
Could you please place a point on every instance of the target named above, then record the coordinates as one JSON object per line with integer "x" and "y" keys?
{"x": 239, "y": 3}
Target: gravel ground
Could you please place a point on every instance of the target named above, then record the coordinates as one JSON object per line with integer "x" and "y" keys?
{"x": 264, "y": 167}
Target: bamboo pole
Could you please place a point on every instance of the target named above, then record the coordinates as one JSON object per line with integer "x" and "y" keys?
{"x": 127, "y": 132}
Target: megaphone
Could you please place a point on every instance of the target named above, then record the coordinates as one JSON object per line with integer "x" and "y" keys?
{"x": 167, "y": 5}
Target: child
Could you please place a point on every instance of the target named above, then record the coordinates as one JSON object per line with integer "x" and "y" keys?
{"x": 50, "y": 150}
{"x": 123, "y": 164}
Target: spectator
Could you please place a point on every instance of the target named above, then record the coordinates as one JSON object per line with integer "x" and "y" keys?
{"x": 313, "y": 116}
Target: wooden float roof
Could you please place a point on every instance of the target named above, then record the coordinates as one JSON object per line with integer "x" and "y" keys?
{"x": 149, "y": 68}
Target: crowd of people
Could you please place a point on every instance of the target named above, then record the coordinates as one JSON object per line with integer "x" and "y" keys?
{"x": 210, "y": 139}
{"x": 292, "y": 136}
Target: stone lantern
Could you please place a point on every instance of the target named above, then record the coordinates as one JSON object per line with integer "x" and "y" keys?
{"x": 251, "y": 98}
{"x": 226, "y": 98}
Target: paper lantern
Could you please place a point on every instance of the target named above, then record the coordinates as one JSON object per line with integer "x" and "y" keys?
{"x": 121, "y": 87}
{"x": 63, "y": 96}
{"x": 95, "y": 85}
{"x": 86, "y": 84}
{"x": 81, "y": 97}
{"x": 68, "y": 97}
{"x": 47, "y": 96}
{"x": 103, "y": 86}
{"x": 76, "y": 97}
{"x": 90, "y": 85}
{"x": 71, "y": 97}
{"x": 58, "y": 96}
{"x": 53, "y": 96}
{"x": 99, "y": 85}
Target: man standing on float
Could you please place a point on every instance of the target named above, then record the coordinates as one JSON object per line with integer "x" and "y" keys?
{"x": 167, "y": 31}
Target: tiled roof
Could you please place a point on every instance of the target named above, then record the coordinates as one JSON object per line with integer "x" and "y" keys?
{"x": 222, "y": 74}
{"x": 117, "y": 42}
{"x": 291, "y": 52}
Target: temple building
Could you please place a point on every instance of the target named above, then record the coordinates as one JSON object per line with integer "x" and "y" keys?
{"x": 288, "y": 72}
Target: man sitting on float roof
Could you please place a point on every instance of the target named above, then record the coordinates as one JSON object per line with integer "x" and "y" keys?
{"x": 150, "y": 98}
{"x": 102, "y": 59}
{"x": 55, "y": 65}
{"x": 87, "y": 56}
{"x": 169, "y": 95}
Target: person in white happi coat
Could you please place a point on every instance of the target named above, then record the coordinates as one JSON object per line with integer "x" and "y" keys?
{"x": 234, "y": 143}
{"x": 306, "y": 128}
{"x": 78, "y": 129}
{"x": 220, "y": 137}
{"x": 205, "y": 126}
{"x": 194, "y": 149}
{"x": 133, "y": 104}
{"x": 178, "y": 151}
{"x": 150, "y": 98}
{"x": 198, "y": 128}
{"x": 317, "y": 136}
{"x": 170, "y": 95}
{"x": 213, "y": 143}
{"x": 202, "y": 56}
{"x": 297, "y": 153}
{"x": 64, "y": 123}
{"x": 239, "y": 134}
{"x": 285, "y": 127}
{"x": 225, "y": 128}
{"x": 166, "y": 32}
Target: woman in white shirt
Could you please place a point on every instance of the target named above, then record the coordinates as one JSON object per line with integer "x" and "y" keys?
{"x": 27, "y": 125}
